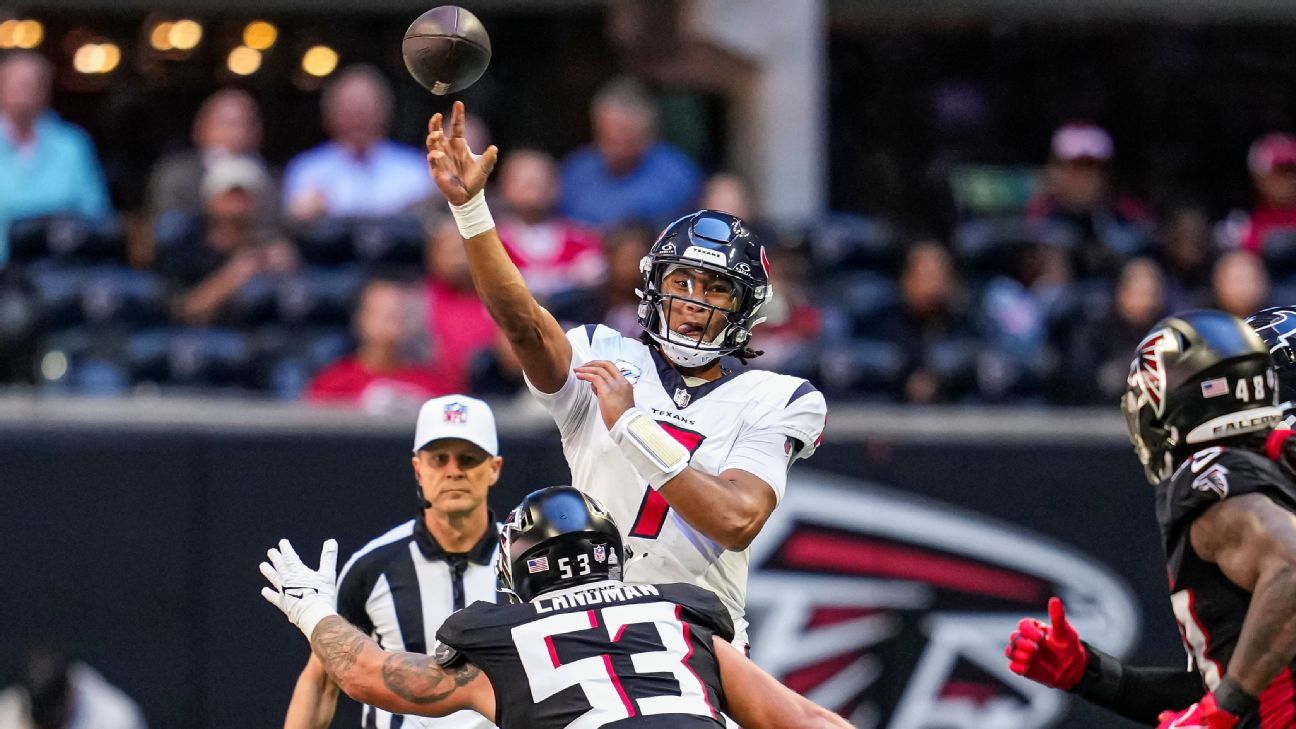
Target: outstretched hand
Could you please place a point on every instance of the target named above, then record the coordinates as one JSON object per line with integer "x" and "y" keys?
{"x": 459, "y": 173}
{"x": 1049, "y": 654}
{"x": 614, "y": 392}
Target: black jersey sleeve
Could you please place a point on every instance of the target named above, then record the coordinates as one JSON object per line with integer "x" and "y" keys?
{"x": 701, "y": 607}
{"x": 1208, "y": 477}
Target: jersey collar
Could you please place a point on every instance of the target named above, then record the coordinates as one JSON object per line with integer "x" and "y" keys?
{"x": 481, "y": 552}
{"x": 681, "y": 394}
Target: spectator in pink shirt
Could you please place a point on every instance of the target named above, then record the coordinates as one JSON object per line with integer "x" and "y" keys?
{"x": 553, "y": 253}
{"x": 458, "y": 324}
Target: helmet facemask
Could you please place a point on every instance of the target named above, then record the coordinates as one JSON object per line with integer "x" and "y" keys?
{"x": 724, "y": 304}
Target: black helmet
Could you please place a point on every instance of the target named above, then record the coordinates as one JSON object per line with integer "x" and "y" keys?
{"x": 716, "y": 242}
{"x": 557, "y": 537}
{"x": 1196, "y": 378}
{"x": 1277, "y": 327}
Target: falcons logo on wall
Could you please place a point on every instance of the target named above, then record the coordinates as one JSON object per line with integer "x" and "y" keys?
{"x": 898, "y": 607}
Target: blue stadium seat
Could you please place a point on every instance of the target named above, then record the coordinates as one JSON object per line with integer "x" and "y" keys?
{"x": 389, "y": 241}
{"x": 318, "y": 296}
{"x": 85, "y": 360}
{"x": 285, "y": 360}
{"x": 849, "y": 241}
{"x": 861, "y": 368}
{"x": 985, "y": 245}
{"x": 65, "y": 237}
{"x": 102, "y": 295}
{"x": 864, "y": 295}
{"x": 1279, "y": 252}
{"x": 190, "y": 357}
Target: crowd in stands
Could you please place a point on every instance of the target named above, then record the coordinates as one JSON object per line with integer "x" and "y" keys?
{"x": 342, "y": 279}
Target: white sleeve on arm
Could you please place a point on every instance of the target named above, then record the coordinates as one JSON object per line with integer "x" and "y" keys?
{"x": 782, "y": 437}
{"x": 763, "y": 454}
{"x": 570, "y": 404}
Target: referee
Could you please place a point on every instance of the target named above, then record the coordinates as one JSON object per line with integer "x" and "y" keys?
{"x": 401, "y": 586}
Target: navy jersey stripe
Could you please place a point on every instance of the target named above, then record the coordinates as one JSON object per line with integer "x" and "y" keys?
{"x": 404, "y": 583}
{"x": 805, "y": 389}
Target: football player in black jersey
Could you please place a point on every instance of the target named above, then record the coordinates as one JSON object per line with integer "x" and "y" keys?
{"x": 579, "y": 649}
{"x": 1202, "y": 406}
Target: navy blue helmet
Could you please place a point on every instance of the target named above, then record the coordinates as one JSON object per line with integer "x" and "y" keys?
{"x": 557, "y": 537}
{"x": 715, "y": 243}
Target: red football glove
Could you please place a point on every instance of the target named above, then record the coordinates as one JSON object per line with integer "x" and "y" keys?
{"x": 1049, "y": 654}
{"x": 1202, "y": 715}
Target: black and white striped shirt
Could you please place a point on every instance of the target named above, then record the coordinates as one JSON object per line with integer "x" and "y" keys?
{"x": 399, "y": 589}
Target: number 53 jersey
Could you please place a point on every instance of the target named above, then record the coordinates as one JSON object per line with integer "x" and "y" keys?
{"x": 605, "y": 654}
{"x": 753, "y": 420}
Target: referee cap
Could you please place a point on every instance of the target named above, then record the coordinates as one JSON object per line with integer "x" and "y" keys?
{"x": 457, "y": 416}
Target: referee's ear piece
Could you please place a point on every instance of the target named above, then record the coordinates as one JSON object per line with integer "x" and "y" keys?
{"x": 419, "y": 498}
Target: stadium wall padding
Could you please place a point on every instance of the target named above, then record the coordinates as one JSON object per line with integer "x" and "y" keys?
{"x": 137, "y": 548}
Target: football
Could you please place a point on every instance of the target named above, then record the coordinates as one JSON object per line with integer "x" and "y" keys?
{"x": 446, "y": 49}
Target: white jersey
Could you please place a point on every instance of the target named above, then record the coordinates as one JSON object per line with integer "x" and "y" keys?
{"x": 753, "y": 420}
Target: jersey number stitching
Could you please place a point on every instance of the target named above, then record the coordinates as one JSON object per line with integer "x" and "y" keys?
{"x": 603, "y": 688}
{"x": 653, "y": 509}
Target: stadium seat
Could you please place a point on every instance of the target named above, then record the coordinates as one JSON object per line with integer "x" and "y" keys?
{"x": 318, "y": 296}
{"x": 989, "y": 245}
{"x": 1279, "y": 252}
{"x": 102, "y": 295}
{"x": 861, "y": 368}
{"x": 848, "y": 241}
{"x": 863, "y": 296}
{"x": 285, "y": 360}
{"x": 391, "y": 241}
{"x": 190, "y": 357}
{"x": 65, "y": 237}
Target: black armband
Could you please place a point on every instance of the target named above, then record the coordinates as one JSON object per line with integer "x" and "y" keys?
{"x": 1140, "y": 694}
{"x": 1230, "y": 697}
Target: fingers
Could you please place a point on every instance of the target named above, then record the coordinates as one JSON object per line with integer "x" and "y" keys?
{"x": 1032, "y": 629}
{"x": 290, "y": 554}
{"x": 457, "y": 120}
{"x": 272, "y": 576}
{"x": 1057, "y": 613}
{"x": 488, "y": 160}
{"x": 271, "y": 596}
{"x": 276, "y": 559}
{"x": 328, "y": 557}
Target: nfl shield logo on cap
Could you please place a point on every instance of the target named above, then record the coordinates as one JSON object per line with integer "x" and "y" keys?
{"x": 460, "y": 417}
{"x": 456, "y": 412}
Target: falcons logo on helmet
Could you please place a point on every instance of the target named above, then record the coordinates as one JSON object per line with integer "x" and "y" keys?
{"x": 1147, "y": 371}
{"x": 898, "y": 607}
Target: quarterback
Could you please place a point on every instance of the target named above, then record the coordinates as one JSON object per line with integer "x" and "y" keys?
{"x": 688, "y": 453}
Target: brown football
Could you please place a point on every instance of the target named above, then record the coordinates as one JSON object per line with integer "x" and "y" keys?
{"x": 446, "y": 49}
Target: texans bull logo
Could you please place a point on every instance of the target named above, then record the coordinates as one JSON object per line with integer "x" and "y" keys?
{"x": 899, "y": 607}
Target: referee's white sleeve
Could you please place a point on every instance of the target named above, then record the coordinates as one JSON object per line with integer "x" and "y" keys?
{"x": 765, "y": 454}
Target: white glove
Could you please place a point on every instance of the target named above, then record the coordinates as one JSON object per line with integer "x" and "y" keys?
{"x": 305, "y": 595}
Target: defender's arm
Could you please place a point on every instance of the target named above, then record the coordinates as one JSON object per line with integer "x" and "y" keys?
{"x": 758, "y": 701}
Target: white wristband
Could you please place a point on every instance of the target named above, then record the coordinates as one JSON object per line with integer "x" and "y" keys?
{"x": 311, "y": 616}
{"x": 655, "y": 455}
{"x": 473, "y": 217}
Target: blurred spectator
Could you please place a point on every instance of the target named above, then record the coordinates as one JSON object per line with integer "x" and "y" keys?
{"x": 497, "y": 372}
{"x": 614, "y": 302}
{"x": 1272, "y": 163}
{"x": 930, "y": 327}
{"x": 55, "y": 692}
{"x": 726, "y": 192}
{"x": 236, "y": 246}
{"x": 47, "y": 165}
{"x": 1099, "y": 357}
{"x": 1186, "y": 251}
{"x": 793, "y": 323}
{"x": 384, "y": 375}
{"x": 1240, "y": 283}
{"x": 458, "y": 324}
{"x": 1018, "y": 312}
{"x": 1077, "y": 192}
{"x": 553, "y": 253}
{"x": 228, "y": 124}
{"x": 358, "y": 172}
{"x": 627, "y": 174}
